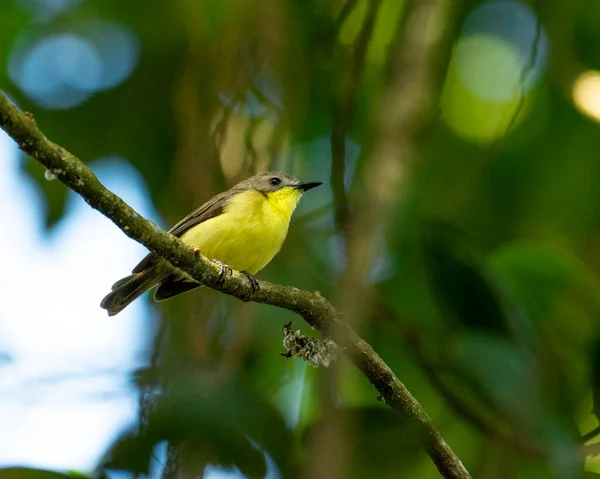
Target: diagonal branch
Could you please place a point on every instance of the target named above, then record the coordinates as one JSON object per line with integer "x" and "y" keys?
{"x": 311, "y": 306}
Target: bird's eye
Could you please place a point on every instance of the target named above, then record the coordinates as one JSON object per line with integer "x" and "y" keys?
{"x": 275, "y": 181}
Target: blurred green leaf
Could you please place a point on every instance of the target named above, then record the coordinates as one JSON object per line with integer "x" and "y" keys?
{"x": 28, "y": 473}
{"x": 538, "y": 276}
{"x": 224, "y": 423}
{"x": 595, "y": 375}
{"x": 462, "y": 283}
{"x": 505, "y": 373}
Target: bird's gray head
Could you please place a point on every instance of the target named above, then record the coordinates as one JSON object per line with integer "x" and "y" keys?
{"x": 271, "y": 181}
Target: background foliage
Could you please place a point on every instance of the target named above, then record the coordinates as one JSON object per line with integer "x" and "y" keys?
{"x": 483, "y": 296}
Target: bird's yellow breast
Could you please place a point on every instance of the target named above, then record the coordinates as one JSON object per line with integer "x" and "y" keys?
{"x": 250, "y": 231}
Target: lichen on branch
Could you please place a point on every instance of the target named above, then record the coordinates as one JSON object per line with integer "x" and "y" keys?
{"x": 316, "y": 352}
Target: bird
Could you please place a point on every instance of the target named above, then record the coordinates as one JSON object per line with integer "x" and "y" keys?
{"x": 242, "y": 228}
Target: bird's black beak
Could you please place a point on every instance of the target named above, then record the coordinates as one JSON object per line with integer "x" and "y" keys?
{"x": 307, "y": 185}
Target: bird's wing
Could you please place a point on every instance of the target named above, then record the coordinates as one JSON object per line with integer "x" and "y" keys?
{"x": 213, "y": 207}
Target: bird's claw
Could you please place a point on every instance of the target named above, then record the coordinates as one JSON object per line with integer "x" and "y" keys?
{"x": 253, "y": 281}
{"x": 223, "y": 269}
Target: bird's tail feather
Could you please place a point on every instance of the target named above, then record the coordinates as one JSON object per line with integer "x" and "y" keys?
{"x": 173, "y": 285}
{"x": 129, "y": 288}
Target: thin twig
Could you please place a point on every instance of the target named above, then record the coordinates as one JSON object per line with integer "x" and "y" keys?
{"x": 266, "y": 102}
{"x": 529, "y": 67}
{"x": 591, "y": 435}
{"x": 311, "y": 306}
{"x": 591, "y": 450}
{"x": 344, "y": 110}
{"x": 174, "y": 464}
{"x": 419, "y": 56}
{"x": 343, "y": 16}
{"x": 344, "y": 116}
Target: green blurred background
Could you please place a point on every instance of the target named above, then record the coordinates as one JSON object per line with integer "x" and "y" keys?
{"x": 483, "y": 296}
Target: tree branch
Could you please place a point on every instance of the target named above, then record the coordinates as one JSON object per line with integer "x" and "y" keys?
{"x": 311, "y": 306}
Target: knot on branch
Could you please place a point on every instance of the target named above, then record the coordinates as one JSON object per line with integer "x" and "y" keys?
{"x": 316, "y": 352}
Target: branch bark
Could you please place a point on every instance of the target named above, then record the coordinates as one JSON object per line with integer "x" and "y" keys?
{"x": 311, "y": 306}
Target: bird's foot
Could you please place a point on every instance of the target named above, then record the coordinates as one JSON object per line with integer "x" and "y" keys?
{"x": 223, "y": 269}
{"x": 253, "y": 281}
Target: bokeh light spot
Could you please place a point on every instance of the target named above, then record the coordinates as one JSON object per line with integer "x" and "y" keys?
{"x": 586, "y": 94}
{"x": 489, "y": 67}
{"x": 62, "y": 70}
{"x": 500, "y": 57}
{"x": 118, "y": 49}
{"x": 474, "y": 119}
{"x": 390, "y": 14}
{"x": 501, "y": 40}
{"x": 58, "y": 71}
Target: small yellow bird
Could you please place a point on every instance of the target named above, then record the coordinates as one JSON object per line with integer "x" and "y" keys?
{"x": 242, "y": 228}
